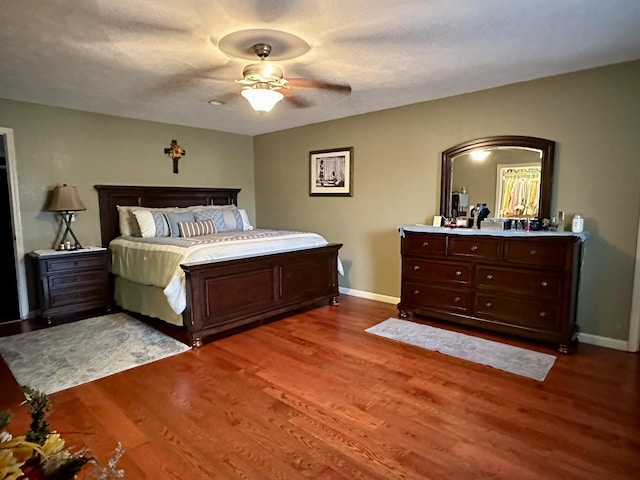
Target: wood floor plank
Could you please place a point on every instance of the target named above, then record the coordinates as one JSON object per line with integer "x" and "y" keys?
{"x": 313, "y": 396}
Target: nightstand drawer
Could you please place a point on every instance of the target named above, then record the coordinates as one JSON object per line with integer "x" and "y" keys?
{"x": 71, "y": 262}
{"x": 76, "y": 297}
{"x": 77, "y": 280}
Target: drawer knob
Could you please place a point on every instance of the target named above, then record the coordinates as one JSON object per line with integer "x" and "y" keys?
{"x": 543, "y": 314}
{"x": 533, "y": 251}
{"x": 425, "y": 244}
{"x": 416, "y": 267}
{"x": 458, "y": 273}
{"x": 457, "y": 299}
{"x": 474, "y": 248}
{"x": 489, "y": 277}
{"x": 544, "y": 283}
{"x": 416, "y": 292}
{"x": 489, "y": 304}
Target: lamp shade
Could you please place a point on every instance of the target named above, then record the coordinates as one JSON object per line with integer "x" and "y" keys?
{"x": 262, "y": 99}
{"x": 65, "y": 199}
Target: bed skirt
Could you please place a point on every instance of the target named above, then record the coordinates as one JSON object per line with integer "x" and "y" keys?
{"x": 146, "y": 300}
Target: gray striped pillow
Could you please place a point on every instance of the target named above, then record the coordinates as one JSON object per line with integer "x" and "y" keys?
{"x": 196, "y": 229}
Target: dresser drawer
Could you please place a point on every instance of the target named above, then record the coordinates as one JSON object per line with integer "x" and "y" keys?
{"x": 439, "y": 272}
{"x": 487, "y": 249}
{"x": 77, "y": 280}
{"x": 542, "y": 254}
{"x": 523, "y": 282}
{"x": 517, "y": 311}
{"x": 430, "y": 245}
{"x": 73, "y": 262}
{"x": 439, "y": 298}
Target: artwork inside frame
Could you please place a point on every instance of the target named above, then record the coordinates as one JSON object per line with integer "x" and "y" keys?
{"x": 331, "y": 172}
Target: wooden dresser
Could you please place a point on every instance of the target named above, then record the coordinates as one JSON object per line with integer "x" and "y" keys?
{"x": 520, "y": 283}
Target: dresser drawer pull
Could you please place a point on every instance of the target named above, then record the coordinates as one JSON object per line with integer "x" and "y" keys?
{"x": 425, "y": 244}
{"x": 543, "y": 314}
{"x": 416, "y": 292}
{"x": 533, "y": 251}
{"x": 458, "y": 273}
{"x": 416, "y": 267}
{"x": 489, "y": 277}
{"x": 488, "y": 304}
{"x": 457, "y": 300}
{"x": 474, "y": 248}
{"x": 544, "y": 283}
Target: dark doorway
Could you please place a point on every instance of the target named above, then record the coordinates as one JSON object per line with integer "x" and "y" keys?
{"x": 10, "y": 309}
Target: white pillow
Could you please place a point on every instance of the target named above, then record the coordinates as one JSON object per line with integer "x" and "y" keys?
{"x": 246, "y": 225}
{"x": 127, "y": 222}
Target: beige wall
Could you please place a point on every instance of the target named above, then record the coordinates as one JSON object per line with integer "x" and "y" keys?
{"x": 592, "y": 115}
{"x": 55, "y": 145}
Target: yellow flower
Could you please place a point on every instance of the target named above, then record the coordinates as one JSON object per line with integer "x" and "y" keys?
{"x": 53, "y": 444}
{"x": 9, "y": 466}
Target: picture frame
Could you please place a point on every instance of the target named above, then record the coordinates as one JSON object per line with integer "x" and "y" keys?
{"x": 331, "y": 172}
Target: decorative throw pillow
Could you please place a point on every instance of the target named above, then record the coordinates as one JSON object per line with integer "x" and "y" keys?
{"x": 227, "y": 219}
{"x": 151, "y": 223}
{"x": 196, "y": 229}
{"x": 215, "y": 216}
{"x": 173, "y": 218}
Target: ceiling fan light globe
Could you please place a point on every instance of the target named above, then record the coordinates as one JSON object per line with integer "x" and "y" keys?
{"x": 262, "y": 100}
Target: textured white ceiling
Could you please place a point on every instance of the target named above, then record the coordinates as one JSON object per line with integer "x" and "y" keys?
{"x": 159, "y": 59}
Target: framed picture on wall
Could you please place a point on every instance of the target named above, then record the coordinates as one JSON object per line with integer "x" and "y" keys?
{"x": 331, "y": 172}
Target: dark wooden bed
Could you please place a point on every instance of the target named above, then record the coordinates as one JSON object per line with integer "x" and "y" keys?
{"x": 228, "y": 294}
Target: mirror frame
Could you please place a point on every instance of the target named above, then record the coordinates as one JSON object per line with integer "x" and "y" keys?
{"x": 547, "y": 147}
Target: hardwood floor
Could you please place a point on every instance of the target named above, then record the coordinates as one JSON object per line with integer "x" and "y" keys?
{"x": 313, "y": 396}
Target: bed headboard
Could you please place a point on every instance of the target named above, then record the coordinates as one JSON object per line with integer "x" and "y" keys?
{"x": 110, "y": 196}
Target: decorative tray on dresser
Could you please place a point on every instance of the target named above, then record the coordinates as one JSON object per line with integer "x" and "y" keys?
{"x": 520, "y": 283}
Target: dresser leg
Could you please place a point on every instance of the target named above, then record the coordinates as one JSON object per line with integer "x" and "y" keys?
{"x": 403, "y": 314}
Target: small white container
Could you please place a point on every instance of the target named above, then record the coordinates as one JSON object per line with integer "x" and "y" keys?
{"x": 577, "y": 224}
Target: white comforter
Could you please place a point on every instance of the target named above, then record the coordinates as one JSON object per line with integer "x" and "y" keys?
{"x": 156, "y": 261}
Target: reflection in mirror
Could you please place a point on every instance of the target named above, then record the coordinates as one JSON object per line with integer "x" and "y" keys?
{"x": 511, "y": 174}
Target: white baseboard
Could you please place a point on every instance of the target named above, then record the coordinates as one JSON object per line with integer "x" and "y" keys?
{"x": 369, "y": 295}
{"x": 603, "y": 341}
{"x": 582, "y": 337}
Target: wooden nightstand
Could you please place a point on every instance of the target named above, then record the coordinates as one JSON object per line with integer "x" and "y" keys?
{"x": 70, "y": 282}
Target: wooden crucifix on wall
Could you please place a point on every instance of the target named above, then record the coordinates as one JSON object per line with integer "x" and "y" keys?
{"x": 175, "y": 153}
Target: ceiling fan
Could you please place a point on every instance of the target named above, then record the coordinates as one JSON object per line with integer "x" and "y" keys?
{"x": 265, "y": 85}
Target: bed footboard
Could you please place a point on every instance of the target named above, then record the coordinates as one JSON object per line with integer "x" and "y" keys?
{"x": 228, "y": 294}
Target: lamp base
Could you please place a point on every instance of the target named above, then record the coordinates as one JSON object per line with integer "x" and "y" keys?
{"x": 66, "y": 217}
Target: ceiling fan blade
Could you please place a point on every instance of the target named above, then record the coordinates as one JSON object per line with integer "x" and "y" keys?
{"x": 295, "y": 101}
{"x": 307, "y": 83}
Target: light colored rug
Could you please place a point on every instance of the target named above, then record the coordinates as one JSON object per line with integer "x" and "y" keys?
{"x": 61, "y": 357}
{"x": 511, "y": 359}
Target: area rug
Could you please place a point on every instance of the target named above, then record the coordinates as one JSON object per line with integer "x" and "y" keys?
{"x": 61, "y": 357}
{"x": 511, "y": 359}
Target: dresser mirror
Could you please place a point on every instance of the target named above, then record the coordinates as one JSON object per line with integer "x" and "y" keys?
{"x": 511, "y": 174}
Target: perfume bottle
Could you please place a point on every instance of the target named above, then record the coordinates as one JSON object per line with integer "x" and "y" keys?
{"x": 561, "y": 221}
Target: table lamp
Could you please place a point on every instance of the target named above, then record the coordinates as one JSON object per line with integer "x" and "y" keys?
{"x": 66, "y": 200}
